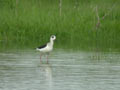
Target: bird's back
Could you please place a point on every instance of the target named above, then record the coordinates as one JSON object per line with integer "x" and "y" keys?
{"x": 45, "y": 48}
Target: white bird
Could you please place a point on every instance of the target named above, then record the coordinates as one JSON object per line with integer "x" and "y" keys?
{"x": 47, "y": 48}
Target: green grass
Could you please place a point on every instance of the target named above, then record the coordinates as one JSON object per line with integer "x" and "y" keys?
{"x": 31, "y": 22}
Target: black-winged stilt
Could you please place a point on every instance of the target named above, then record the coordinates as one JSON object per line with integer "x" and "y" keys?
{"x": 47, "y": 48}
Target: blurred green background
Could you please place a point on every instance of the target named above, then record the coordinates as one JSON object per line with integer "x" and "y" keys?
{"x": 30, "y": 23}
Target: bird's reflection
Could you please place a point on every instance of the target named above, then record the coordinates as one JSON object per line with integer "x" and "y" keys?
{"x": 46, "y": 70}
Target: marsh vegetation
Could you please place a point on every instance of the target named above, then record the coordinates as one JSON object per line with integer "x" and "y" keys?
{"x": 31, "y": 22}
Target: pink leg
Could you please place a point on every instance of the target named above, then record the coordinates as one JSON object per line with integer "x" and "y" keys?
{"x": 47, "y": 58}
{"x": 40, "y": 58}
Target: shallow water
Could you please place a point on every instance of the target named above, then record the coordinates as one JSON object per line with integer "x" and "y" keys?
{"x": 67, "y": 70}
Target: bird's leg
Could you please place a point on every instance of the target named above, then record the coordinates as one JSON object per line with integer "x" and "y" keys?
{"x": 40, "y": 57}
{"x": 47, "y": 57}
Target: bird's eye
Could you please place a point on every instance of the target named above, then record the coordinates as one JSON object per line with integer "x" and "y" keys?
{"x": 52, "y": 36}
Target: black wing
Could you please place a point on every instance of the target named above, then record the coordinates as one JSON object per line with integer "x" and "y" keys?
{"x": 42, "y": 46}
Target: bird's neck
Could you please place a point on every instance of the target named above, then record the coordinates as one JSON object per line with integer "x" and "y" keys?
{"x": 51, "y": 42}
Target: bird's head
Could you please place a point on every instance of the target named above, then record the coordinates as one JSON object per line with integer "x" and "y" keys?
{"x": 53, "y": 37}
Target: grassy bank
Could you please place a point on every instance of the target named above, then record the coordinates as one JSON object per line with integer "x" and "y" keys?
{"x": 31, "y": 22}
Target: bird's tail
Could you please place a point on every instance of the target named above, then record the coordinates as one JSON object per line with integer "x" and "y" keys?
{"x": 37, "y": 48}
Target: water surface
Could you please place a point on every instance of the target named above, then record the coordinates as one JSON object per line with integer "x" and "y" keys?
{"x": 66, "y": 70}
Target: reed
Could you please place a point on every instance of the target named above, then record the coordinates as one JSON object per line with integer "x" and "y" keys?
{"x": 31, "y": 23}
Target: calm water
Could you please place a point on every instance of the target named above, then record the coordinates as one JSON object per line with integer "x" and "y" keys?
{"x": 67, "y": 70}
